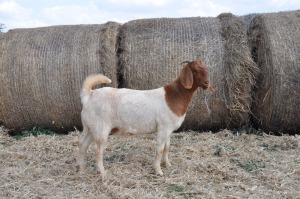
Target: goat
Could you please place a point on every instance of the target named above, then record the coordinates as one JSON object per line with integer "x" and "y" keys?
{"x": 125, "y": 111}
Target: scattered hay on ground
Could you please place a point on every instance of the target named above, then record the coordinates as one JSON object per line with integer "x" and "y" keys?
{"x": 204, "y": 165}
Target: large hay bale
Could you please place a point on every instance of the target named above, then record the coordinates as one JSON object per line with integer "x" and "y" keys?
{"x": 248, "y": 18}
{"x": 150, "y": 52}
{"x": 42, "y": 70}
{"x": 275, "y": 39}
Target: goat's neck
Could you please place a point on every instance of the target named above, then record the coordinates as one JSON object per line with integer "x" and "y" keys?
{"x": 178, "y": 97}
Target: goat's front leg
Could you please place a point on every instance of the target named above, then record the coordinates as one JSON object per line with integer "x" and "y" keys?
{"x": 166, "y": 151}
{"x": 162, "y": 138}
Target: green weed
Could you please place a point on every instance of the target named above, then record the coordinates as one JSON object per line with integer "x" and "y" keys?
{"x": 115, "y": 158}
{"x": 247, "y": 130}
{"x": 252, "y": 165}
{"x": 35, "y": 131}
{"x": 175, "y": 188}
{"x": 219, "y": 149}
{"x": 268, "y": 147}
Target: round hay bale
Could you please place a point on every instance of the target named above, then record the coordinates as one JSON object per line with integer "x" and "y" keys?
{"x": 42, "y": 69}
{"x": 248, "y": 18}
{"x": 151, "y": 49}
{"x": 275, "y": 41}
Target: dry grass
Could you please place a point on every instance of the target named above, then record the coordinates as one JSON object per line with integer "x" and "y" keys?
{"x": 205, "y": 165}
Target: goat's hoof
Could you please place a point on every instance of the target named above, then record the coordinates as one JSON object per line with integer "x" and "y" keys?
{"x": 159, "y": 173}
{"x": 104, "y": 176}
{"x": 168, "y": 164}
{"x": 102, "y": 173}
{"x": 79, "y": 169}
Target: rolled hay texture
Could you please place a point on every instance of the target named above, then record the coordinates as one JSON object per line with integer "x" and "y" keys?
{"x": 247, "y": 18}
{"x": 151, "y": 51}
{"x": 275, "y": 40}
{"x": 42, "y": 70}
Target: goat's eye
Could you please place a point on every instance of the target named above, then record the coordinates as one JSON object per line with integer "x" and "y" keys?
{"x": 195, "y": 71}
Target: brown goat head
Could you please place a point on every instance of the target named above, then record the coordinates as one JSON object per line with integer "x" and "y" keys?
{"x": 194, "y": 74}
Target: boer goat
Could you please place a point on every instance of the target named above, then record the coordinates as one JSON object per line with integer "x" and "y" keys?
{"x": 125, "y": 111}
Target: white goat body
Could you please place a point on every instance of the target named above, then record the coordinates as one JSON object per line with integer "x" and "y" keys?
{"x": 129, "y": 111}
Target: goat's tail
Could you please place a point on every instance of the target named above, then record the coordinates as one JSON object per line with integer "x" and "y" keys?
{"x": 89, "y": 82}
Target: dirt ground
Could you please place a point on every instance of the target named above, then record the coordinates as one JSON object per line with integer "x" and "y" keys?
{"x": 204, "y": 165}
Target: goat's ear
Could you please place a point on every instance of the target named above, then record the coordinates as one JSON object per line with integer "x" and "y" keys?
{"x": 186, "y": 77}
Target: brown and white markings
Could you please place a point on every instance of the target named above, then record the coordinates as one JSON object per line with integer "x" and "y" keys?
{"x": 125, "y": 111}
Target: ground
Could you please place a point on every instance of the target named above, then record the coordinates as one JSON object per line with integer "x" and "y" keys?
{"x": 204, "y": 165}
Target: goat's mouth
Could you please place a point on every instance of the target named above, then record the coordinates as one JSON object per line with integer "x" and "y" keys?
{"x": 205, "y": 85}
{"x": 208, "y": 86}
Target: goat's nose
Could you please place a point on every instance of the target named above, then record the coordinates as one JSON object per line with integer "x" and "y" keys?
{"x": 206, "y": 82}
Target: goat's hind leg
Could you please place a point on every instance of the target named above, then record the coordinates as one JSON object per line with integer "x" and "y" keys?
{"x": 84, "y": 145}
{"x": 100, "y": 146}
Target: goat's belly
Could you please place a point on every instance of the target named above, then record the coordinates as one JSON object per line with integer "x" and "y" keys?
{"x": 137, "y": 125}
{"x": 137, "y": 117}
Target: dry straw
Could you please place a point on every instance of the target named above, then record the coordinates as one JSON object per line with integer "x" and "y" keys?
{"x": 275, "y": 39}
{"x": 42, "y": 69}
{"x": 150, "y": 52}
{"x": 204, "y": 165}
{"x": 247, "y": 18}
